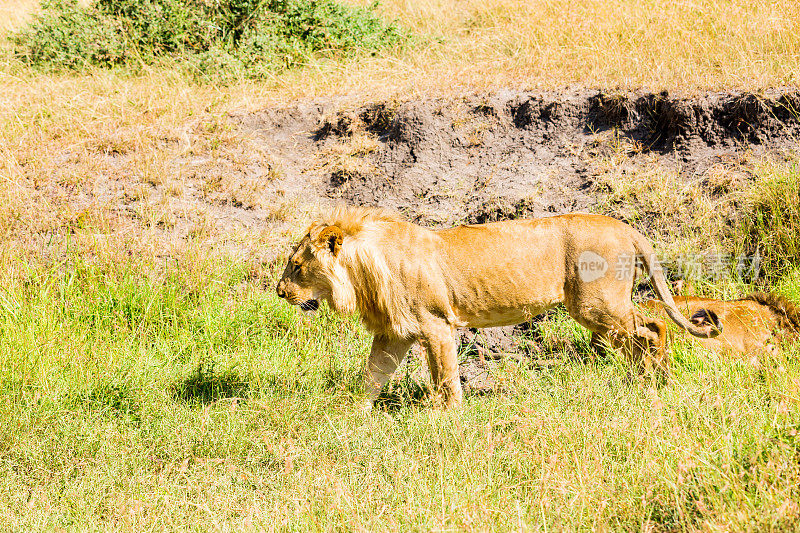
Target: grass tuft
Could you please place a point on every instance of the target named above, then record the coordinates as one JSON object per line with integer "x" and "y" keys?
{"x": 206, "y": 384}
{"x": 771, "y": 222}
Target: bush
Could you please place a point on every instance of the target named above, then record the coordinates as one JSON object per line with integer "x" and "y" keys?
{"x": 217, "y": 38}
{"x": 65, "y": 36}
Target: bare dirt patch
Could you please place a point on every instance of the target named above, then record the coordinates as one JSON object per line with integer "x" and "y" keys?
{"x": 508, "y": 154}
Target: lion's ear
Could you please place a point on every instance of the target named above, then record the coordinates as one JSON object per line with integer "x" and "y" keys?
{"x": 332, "y": 238}
{"x": 706, "y": 317}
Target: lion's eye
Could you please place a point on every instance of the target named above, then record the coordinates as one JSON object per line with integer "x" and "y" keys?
{"x": 295, "y": 267}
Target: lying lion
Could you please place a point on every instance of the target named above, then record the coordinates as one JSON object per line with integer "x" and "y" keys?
{"x": 414, "y": 284}
{"x": 749, "y": 325}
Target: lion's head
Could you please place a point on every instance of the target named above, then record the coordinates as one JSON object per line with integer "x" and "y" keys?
{"x": 309, "y": 274}
{"x": 343, "y": 259}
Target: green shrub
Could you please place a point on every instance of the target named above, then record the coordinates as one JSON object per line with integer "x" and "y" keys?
{"x": 215, "y": 38}
{"x": 66, "y": 36}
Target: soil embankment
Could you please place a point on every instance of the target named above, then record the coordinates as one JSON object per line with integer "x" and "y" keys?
{"x": 507, "y": 154}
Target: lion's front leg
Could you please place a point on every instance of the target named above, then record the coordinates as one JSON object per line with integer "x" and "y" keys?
{"x": 440, "y": 344}
{"x": 384, "y": 357}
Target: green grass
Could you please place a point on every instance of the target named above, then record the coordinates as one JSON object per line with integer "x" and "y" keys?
{"x": 169, "y": 400}
{"x": 749, "y": 212}
{"x": 772, "y": 219}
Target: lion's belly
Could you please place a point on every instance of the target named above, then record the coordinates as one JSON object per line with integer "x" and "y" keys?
{"x": 504, "y": 273}
{"x": 499, "y": 316}
{"x": 487, "y": 304}
{"x": 507, "y": 296}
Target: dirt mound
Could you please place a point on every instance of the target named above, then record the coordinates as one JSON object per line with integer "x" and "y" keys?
{"x": 503, "y": 155}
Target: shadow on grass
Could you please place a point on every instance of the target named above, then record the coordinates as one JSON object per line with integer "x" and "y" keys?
{"x": 407, "y": 393}
{"x": 115, "y": 399}
{"x": 206, "y": 385}
{"x": 400, "y": 393}
{"x": 403, "y": 394}
{"x": 343, "y": 380}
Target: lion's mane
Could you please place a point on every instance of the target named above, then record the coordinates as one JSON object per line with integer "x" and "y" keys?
{"x": 365, "y": 276}
{"x": 787, "y": 313}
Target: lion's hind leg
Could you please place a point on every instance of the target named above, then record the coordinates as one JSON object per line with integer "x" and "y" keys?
{"x": 605, "y": 341}
{"x": 640, "y": 348}
{"x": 650, "y": 339}
{"x": 603, "y": 344}
{"x": 641, "y": 339}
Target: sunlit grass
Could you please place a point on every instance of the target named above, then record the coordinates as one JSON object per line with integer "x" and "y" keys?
{"x": 154, "y": 381}
{"x": 462, "y": 46}
{"x": 136, "y": 401}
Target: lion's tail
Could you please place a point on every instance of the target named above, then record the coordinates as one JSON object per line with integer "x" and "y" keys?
{"x": 787, "y": 313}
{"x": 645, "y": 251}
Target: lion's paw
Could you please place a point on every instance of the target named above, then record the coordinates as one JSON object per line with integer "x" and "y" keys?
{"x": 366, "y": 406}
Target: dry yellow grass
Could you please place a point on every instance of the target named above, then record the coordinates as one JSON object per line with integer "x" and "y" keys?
{"x": 56, "y": 131}
{"x": 15, "y": 13}
{"x": 107, "y": 161}
{"x": 550, "y": 44}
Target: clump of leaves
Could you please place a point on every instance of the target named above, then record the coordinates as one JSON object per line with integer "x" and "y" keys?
{"x": 215, "y": 38}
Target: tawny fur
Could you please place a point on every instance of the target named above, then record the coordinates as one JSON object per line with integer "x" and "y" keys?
{"x": 788, "y": 314}
{"x": 410, "y": 283}
{"x": 750, "y": 325}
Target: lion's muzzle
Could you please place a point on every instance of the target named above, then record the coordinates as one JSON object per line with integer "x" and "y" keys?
{"x": 312, "y": 304}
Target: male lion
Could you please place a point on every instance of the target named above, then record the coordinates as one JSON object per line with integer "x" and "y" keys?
{"x": 414, "y": 284}
{"x": 749, "y": 325}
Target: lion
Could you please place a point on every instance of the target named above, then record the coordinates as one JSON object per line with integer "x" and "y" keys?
{"x": 750, "y": 325}
{"x": 410, "y": 283}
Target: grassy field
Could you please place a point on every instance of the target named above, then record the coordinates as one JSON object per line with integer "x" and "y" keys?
{"x": 461, "y": 46}
{"x": 136, "y": 400}
{"x": 153, "y": 381}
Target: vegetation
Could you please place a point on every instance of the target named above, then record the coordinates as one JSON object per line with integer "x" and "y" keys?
{"x": 772, "y": 221}
{"x": 132, "y": 400}
{"x": 151, "y": 379}
{"x": 479, "y": 44}
{"x": 749, "y": 211}
{"x": 227, "y": 39}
